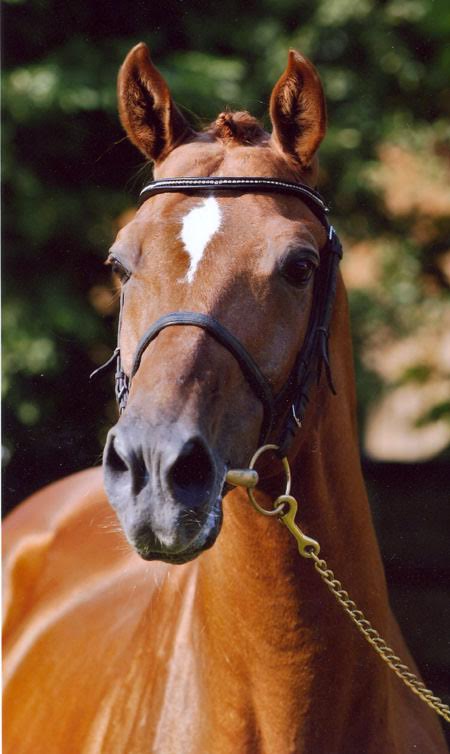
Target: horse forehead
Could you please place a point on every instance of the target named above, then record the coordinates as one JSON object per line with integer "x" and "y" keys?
{"x": 238, "y": 223}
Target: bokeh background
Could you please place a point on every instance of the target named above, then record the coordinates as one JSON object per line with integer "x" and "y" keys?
{"x": 70, "y": 177}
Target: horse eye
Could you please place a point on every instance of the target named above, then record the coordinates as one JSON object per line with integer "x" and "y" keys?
{"x": 119, "y": 270}
{"x": 297, "y": 270}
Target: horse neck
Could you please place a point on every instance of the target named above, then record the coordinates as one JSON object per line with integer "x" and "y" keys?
{"x": 263, "y": 607}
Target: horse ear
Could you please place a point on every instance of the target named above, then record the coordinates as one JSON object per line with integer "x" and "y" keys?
{"x": 147, "y": 111}
{"x": 298, "y": 110}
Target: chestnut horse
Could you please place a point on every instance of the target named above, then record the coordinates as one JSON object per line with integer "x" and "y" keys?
{"x": 242, "y": 649}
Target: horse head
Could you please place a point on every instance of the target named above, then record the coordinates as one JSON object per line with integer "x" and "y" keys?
{"x": 245, "y": 260}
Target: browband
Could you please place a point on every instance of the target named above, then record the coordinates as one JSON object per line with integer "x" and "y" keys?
{"x": 310, "y": 196}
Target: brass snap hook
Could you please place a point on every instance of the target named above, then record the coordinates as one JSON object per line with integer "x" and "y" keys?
{"x": 306, "y": 545}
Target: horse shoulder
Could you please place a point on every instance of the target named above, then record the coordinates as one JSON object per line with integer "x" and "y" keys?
{"x": 86, "y": 619}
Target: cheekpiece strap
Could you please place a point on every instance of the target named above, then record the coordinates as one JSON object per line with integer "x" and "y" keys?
{"x": 315, "y": 346}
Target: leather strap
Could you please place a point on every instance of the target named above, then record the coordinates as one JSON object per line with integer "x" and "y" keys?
{"x": 249, "y": 368}
{"x": 315, "y": 345}
{"x": 262, "y": 185}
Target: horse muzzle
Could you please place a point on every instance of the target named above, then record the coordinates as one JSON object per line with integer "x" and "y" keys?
{"x": 165, "y": 483}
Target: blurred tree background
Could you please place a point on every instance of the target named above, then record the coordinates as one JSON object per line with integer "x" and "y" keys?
{"x": 69, "y": 175}
{"x": 67, "y": 179}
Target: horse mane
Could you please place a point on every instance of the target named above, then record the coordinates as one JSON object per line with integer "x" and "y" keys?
{"x": 239, "y": 127}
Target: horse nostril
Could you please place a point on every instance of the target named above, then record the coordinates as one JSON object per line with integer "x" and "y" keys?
{"x": 113, "y": 460}
{"x": 126, "y": 467}
{"x": 191, "y": 477}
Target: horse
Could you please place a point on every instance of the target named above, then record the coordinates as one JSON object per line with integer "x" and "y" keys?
{"x": 188, "y": 642}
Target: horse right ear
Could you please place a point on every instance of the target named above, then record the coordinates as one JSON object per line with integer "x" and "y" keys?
{"x": 298, "y": 110}
{"x": 147, "y": 111}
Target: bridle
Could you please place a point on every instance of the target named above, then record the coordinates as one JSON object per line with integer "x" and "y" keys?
{"x": 314, "y": 351}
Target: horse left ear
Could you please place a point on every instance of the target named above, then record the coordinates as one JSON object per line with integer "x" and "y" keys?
{"x": 146, "y": 108}
{"x": 298, "y": 110}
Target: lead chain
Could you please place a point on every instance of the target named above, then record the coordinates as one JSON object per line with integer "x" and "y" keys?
{"x": 310, "y": 549}
{"x": 376, "y": 641}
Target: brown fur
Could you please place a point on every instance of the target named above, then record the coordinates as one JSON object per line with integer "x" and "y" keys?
{"x": 237, "y": 127}
{"x": 242, "y": 650}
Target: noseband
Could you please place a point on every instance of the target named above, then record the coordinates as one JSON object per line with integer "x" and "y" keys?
{"x": 294, "y": 394}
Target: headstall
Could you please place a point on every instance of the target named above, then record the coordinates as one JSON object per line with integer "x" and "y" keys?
{"x": 313, "y": 356}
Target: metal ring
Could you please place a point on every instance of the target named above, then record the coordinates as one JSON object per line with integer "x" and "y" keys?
{"x": 250, "y": 491}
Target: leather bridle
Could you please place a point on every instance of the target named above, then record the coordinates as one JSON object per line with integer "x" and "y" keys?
{"x": 314, "y": 352}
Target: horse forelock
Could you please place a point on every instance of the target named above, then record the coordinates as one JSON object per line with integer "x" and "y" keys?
{"x": 240, "y": 127}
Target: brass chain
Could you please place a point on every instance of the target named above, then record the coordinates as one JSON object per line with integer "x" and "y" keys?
{"x": 376, "y": 641}
{"x": 285, "y": 508}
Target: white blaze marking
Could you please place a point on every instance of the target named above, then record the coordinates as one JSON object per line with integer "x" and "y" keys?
{"x": 199, "y": 226}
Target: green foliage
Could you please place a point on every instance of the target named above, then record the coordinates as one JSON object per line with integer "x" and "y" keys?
{"x": 68, "y": 174}
{"x": 439, "y": 411}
